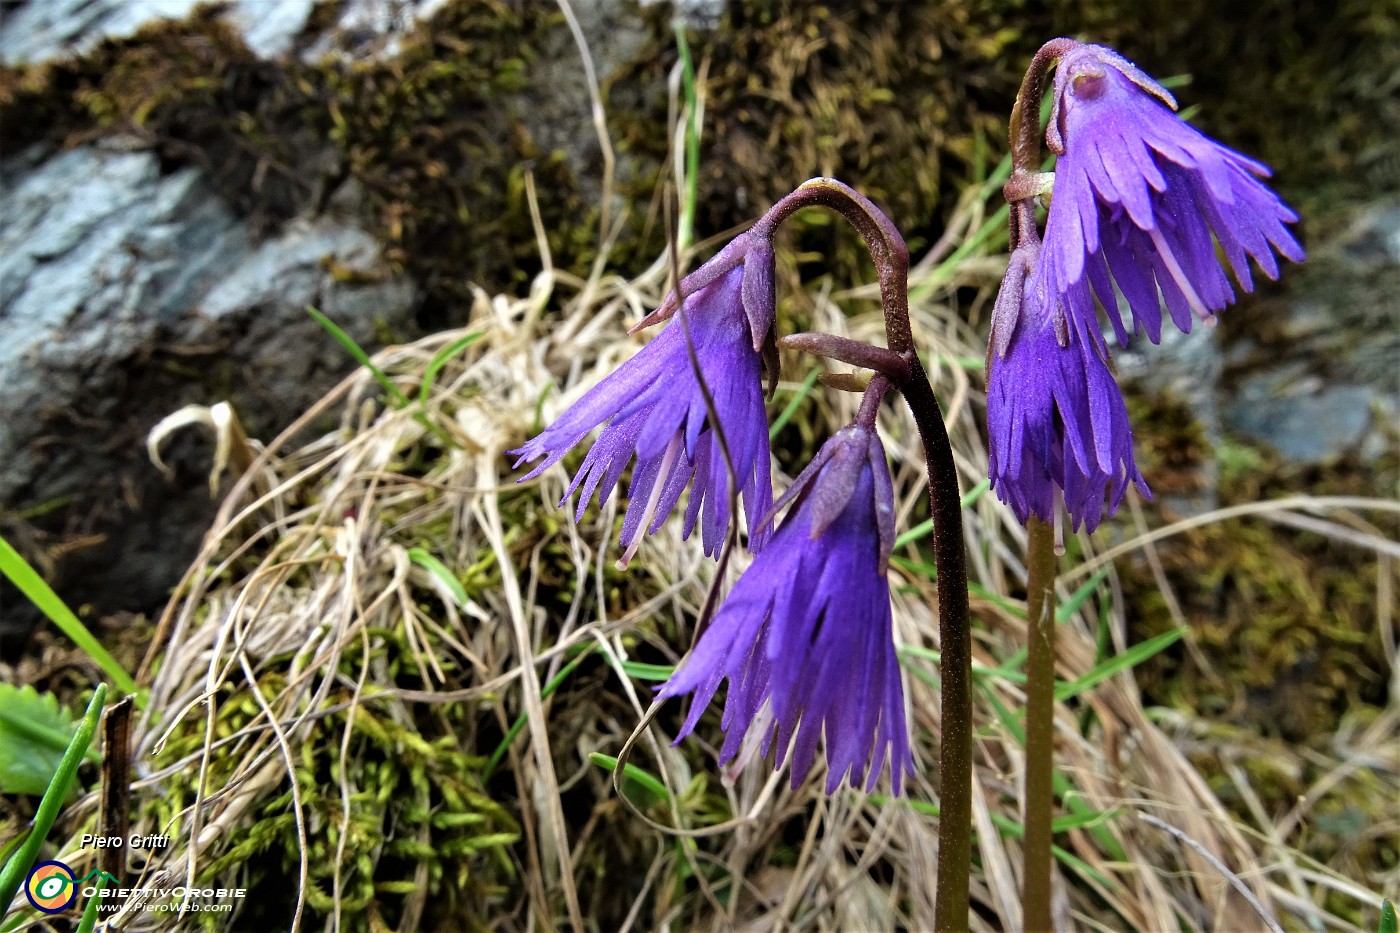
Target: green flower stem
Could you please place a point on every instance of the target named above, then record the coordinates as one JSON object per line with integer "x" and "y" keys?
{"x": 15, "y": 870}
{"x": 1039, "y": 804}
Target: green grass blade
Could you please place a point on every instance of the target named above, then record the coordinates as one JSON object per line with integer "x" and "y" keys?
{"x": 1080, "y": 596}
{"x": 1005, "y": 672}
{"x": 1130, "y": 658}
{"x": 1389, "y": 922}
{"x": 645, "y": 779}
{"x": 691, "y": 194}
{"x": 794, "y": 403}
{"x": 33, "y": 586}
{"x": 89, "y": 921}
{"x": 15, "y": 870}
{"x": 1063, "y": 788}
{"x": 358, "y": 352}
{"x": 1015, "y": 830}
{"x": 657, "y": 672}
{"x": 516, "y": 727}
{"x": 441, "y": 359}
{"x": 925, "y": 528}
{"x": 396, "y": 397}
{"x": 440, "y": 572}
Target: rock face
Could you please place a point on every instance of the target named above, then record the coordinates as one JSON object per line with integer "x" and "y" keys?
{"x": 1319, "y": 376}
{"x": 41, "y": 30}
{"x": 38, "y": 31}
{"x": 136, "y": 278}
{"x": 133, "y": 281}
{"x": 1310, "y": 368}
{"x": 126, "y": 293}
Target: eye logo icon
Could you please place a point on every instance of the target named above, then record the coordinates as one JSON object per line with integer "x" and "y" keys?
{"x": 51, "y": 887}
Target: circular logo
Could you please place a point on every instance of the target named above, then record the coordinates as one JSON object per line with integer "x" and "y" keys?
{"x": 51, "y": 887}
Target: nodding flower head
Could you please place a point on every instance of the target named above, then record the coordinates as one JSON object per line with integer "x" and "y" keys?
{"x": 655, "y": 408}
{"x": 1058, "y": 430}
{"x": 1138, "y": 193}
{"x": 806, "y": 636}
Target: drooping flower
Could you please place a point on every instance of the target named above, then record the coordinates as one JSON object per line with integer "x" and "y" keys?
{"x": 1058, "y": 429}
{"x": 1140, "y": 199}
{"x": 805, "y": 637}
{"x": 656, "y": 410}
{"x": 1138, "y": 194}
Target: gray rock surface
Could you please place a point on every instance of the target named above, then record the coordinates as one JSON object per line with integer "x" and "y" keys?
{"x": 125, "y": 294}
{"x": 130, "y": 288}
{"x": 41, "y": 30}
{"x": 1186, "y": 368}
{"x": 1311, "y": 368}
{"x": 1318, "y": 377}
{"x": 36, "y": 31}
{"x": 97, "y": 252}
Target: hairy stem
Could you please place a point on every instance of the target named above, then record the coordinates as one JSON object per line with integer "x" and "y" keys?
{"x": 846, "y": 350}
{"x": 1025, "y": 115}
{"x": 955, "y": 667}
{"x": 891, "y": 258}
{"x": 1040, "y": 726}
{"x": 1025, "y": 138}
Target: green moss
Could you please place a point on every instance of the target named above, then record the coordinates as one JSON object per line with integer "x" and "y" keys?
{"x": 1287, "y": 644}
{"x": 418, "y": 821}
{"x": 435, "y": 139}
{"x": 1308, "y": 88}
{"x": 896, "y": 99}
{"x": 906, "y": 101}
{"x": 1171, "y": 446}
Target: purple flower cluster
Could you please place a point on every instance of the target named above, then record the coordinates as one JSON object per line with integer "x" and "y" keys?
{"x": 805, "y": 638}
{"x": 1140, "y": 199}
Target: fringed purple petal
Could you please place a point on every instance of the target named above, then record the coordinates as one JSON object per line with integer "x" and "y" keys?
{"x": 1145, "y": 194}
{"x": 659, "y": 415}
{"x": 1056, "y": 419}
{"x": 807, "y": 632}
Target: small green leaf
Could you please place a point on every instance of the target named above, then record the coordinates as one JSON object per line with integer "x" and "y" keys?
{"x": 648, "y": 671}
{"x": 18, "y": 864}
{"x": 440, "y": 359}
{"x": 358, "y": 352}
{"x": 639, "y": 779}
{"x": 34, "y": 733}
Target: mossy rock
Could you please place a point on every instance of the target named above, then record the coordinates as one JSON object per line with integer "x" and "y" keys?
{"x": 906, "y": 101}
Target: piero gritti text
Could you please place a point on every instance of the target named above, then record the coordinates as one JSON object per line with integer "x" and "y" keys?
{"x": 134, "y": 841}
